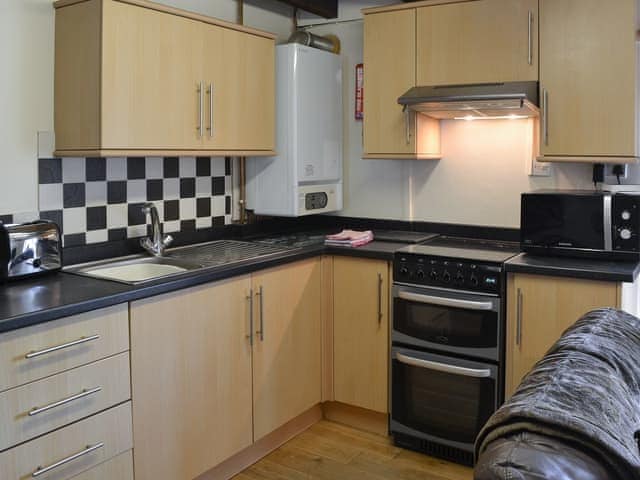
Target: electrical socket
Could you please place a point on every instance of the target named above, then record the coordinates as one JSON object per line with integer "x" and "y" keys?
{"x": 611, "y": 170}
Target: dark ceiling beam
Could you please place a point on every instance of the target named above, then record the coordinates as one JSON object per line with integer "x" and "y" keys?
{"x": 323, "y": 8}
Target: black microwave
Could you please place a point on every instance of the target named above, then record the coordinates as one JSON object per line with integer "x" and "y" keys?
{"x": 590, "y": 224}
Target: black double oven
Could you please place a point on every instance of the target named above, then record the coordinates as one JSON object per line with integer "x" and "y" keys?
{"x": 447, "y": 355}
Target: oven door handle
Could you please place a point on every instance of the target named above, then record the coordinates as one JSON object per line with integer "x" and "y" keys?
{"x": 445, "y": 302}
{"x": 443, "y": 367}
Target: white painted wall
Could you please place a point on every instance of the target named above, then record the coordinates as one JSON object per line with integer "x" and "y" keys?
{"x": 26, "y": 97}
{"x": 478, "y": 181}
{"x": 26, "y": 82}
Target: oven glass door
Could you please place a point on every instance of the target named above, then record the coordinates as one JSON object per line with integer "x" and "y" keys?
{"x": 451, "y": 321}
{"x": 442, "y": 397}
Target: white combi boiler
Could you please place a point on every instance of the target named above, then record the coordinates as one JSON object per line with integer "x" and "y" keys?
{"x": 305, "y": 177}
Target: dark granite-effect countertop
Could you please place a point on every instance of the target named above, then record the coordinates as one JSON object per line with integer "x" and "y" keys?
{"x": 39, "y": 300}
{"x": 42, "y": 299}
{"x": 574, "y": 268}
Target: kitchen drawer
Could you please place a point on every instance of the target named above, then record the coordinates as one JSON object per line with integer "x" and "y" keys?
{"x": 102, "y": 437}
{"x": 89, "y": 389}
{"x": 118, "y": 468}
{"x": 62, "y": 344}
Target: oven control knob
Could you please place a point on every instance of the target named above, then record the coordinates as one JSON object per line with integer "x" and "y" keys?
{"x": 404, "y": 271}
{"x": 474, "y": 280}
{"x": 433, "y": 275}
{"x": 446, "y": 277}
{"x": 420, "y": 274}
{"x": 625, "y": 234}
{"x": 625, "y": 214}
{"x": 459, "y": 280}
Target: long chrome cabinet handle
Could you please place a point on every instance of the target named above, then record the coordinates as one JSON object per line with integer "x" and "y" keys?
{"x": 250, "y": 300}
{"x": 445, "y": 302}
{"x": 64, "y": 401}
{"x": 379, "y": 298}
{"x": 260, "y": 332}
{"x": 530, "y": 44}
{"x": 545, "y": 116}
{"x": 44, "y": 351}
{"x": 407, "y": 127}
{"x": 210, "y": 92}
{"x": 443, "y": 367}
{"x": 519, "y": 317}
{"x": 200, "y": 109}
{"x": 90, "y": 448}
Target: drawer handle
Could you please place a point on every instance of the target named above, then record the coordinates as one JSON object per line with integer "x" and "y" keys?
{"x": 90, "y": 448}
{"x": 44, "y": 351}
{"x": 64, "y": 401}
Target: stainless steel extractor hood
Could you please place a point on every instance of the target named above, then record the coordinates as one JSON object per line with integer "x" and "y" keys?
{"x": 478, "y": 101}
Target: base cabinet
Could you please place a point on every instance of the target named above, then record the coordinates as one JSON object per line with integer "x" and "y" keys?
{"x": 361, "y": 332}
{"x": 540, "y": 309}
{"x": 216, "y": 368}
{"x": 191, "y": 377}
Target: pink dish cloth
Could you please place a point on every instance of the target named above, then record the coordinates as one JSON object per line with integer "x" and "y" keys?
{"x": 349, "y": 238}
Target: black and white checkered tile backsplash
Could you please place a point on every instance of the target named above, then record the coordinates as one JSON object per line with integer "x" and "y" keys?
{"x": 97, "y": 200}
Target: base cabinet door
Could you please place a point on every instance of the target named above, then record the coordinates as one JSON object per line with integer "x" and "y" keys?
{"x": 191, "y": 379}
{"x": 361, "y": 332}
{"x": 588, "y": 78}
{"x": 287, "y": 344}
{"x": 540, "y": 309}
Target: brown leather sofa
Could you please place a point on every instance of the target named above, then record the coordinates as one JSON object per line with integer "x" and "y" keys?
{"x": 576, "y": 415}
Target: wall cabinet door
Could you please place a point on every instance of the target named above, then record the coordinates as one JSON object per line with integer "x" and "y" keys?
{"x": 540, "y": 309}
{"x": 240, "y": 91}
{"x": 477, "y": 42}
{"x": 191, "y": 379}
{"x": 286, "y": 352}
{"x": 361, "y": 332}
{"x": 389, "y": 71}
{"x": 588, "y": 73}
{"x": 151, "y": 72}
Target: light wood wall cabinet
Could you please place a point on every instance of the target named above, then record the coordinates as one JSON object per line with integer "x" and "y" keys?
{"x": 588, "y": 80}
{"x": 390, "y": 70}
{"x": 134, "y": 78}
{"x": 361, "y": 332}
{"x": 483, "y": 41}
{"x": 191, "y": 379}
{"x": 540, "y": 309}
{"x": 287, "y": 344}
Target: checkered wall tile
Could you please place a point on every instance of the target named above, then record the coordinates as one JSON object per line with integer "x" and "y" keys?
{"x": 97, "y": 200}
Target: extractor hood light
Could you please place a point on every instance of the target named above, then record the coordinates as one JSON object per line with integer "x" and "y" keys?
{"x": 498, "y": 117}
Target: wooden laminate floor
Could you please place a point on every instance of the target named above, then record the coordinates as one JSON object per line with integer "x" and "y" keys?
{"x": 330, "y": 451}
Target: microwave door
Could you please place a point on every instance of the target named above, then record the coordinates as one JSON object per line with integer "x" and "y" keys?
{"x": 567, "y": 221}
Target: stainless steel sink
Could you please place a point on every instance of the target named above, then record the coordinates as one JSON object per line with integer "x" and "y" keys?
{"x": 135, "y": 270}
{"x": 177, "y": 261}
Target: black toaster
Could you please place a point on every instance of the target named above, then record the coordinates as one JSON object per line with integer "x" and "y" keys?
{"x": 29, "y": 249}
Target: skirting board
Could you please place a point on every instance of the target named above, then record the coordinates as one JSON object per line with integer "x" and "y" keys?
{"x": 356, "y": 417}
{"x": 264, "y": 446}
